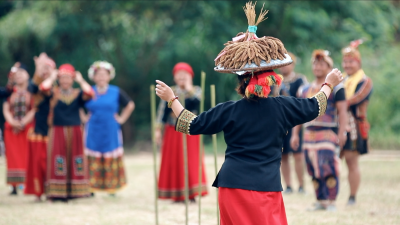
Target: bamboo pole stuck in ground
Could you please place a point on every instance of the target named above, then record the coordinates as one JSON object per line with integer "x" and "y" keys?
{"x": 185, "y": 166}
{"x": 201, "y": 152}
{"x": 214, "y": 141}
{"x": 153, "y": 126}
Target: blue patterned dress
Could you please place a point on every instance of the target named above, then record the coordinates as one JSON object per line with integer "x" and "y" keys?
{"x": 103, "y": 141}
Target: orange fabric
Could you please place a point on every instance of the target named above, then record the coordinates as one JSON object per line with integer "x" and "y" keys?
{"x": 246, "y": 207}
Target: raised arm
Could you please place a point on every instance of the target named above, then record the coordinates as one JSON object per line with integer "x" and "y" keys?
{"x": 299, "y": 111}
{"x": 209, "y": 122}
{"x": 47, "y": 84}
{"x": 86, "y": 88}
{"x": 165, "y": 93}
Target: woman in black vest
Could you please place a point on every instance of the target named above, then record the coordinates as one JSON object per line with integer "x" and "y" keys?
{"x": 254, "y": 127}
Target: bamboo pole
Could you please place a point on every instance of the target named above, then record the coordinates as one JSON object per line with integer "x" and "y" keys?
{"x": 153, "y": 126}
{"x": 214, "y": 141}
{"x": 201, "y": 152}
{"x": 186, "y": 172}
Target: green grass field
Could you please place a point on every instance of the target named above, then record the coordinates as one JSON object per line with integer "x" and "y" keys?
{"x": 378, "y": 200}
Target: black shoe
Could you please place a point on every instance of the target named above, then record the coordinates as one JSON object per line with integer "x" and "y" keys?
{"x": 14, "y": 191}
{"x": 192, "y": 200}
{"x": 91, "y": 194}
{"x": 288, "y": 190}
{"x": 352, "y": 201}
{"x": 301, "y": 190}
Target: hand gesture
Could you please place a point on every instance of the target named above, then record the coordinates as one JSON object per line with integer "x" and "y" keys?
{"x": 342, "y": 139}
{"x": 78, "y": 77}
{"x": 158, "y": 137}
{"x": 119, "y": 119}
{"x": 334, "y": 77}
{"x": 54, "y": 74}
{"x": 164, "y": 91}
{"x": 294, "y": 142}
{"x": 189, "y": 84}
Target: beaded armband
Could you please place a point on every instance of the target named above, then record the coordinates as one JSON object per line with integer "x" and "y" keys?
{"x": 322, "y": 102}
{"x": 183, "y": 121}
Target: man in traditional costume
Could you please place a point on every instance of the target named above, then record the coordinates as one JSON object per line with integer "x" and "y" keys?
{"x": 254, "y": 127}
{"x": 323, "y": 136}
{"x": 292, "y": 82}
{"x": 358, "y": 91}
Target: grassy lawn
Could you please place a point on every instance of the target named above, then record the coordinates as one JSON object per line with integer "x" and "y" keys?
{"x": 378, "y": 199}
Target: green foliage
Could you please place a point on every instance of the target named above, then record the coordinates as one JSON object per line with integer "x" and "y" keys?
{"x": 143, "y": 40}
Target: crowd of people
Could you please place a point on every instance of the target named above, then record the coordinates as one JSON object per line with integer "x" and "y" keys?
{"x": 341, "y": 133}
{"x": 66, "y": 143}
{"x": 60, "y": 141}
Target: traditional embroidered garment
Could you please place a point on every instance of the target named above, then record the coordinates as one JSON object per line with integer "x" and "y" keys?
{"x": 171, "y": 179}
{"x": 320, "y": 144}
{"x": 291, "y": 86}
{"x": 16, "y": 143}
{"x": 254, "y": 127}
{"x": 67, "y": 168}
{"x": 252, "y": 149}
{"x": 103, "y": 144}
{"x": 358, "y": 91}
{"x": 37, "y": 138}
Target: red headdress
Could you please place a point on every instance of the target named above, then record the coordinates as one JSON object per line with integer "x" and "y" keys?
{"x": 66, "y": 69}
{"x": 183, "y": 66}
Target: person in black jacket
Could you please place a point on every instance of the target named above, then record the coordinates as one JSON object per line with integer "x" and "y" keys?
{"x": 254, "y": 127}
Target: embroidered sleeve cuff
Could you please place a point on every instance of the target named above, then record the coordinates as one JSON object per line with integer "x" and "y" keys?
{"x": 184, "y": 120}
{"x": 322, "y": 102}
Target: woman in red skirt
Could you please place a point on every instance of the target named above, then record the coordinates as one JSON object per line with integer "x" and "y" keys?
{"x": 254, "y": 127}
{"x": 37, "y": 136}
{"x": 171, "y": 183}
{"x": 19, "y": 113}
{"x": 67, "y": 169}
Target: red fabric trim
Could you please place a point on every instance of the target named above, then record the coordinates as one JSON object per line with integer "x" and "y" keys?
{"x": 246, "y": 207}
{"x": 36, "y": 170}
{"x": 17, "y": 151}
{"x": 41, "y": 88}
{"x": 171, "y": 180}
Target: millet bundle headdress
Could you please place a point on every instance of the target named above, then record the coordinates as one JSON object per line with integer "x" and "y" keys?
{"x": 248, "y": 53}
{"x": 352, "y": 50}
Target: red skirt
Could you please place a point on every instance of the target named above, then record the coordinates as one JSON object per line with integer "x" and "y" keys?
{"x": 171, "y": 183}
{"x": 245, "y": 207}
{"x": 36, "y": 174}
{"x": 67, "y": 168}
{"x": 17, "y": 154}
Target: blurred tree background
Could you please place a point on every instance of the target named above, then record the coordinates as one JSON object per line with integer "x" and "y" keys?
{"x": 143, "y": 40}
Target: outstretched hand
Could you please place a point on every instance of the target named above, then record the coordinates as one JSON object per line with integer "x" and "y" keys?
{"x": 164, "y": 91}
{"x": 334, "y": 77}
